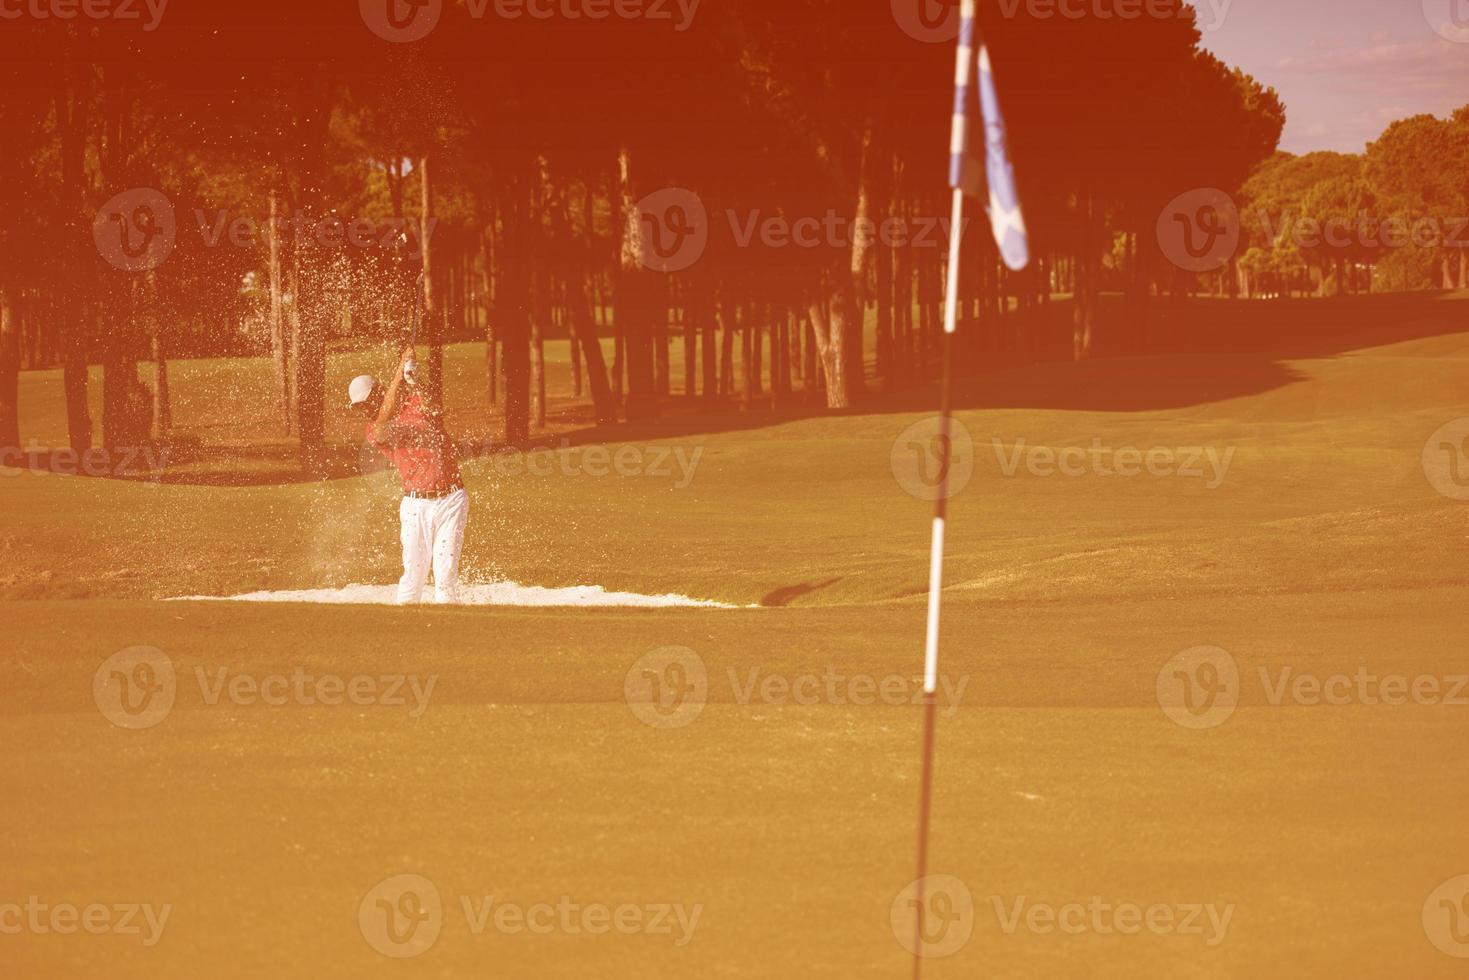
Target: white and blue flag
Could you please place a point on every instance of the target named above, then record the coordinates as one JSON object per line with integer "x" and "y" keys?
{"x": 974, "y": 87}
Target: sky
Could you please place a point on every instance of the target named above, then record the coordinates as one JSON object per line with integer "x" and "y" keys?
{"x": 1345, "y": 68}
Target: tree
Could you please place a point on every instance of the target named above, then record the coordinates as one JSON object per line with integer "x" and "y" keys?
{"x": 1417, "y": 167}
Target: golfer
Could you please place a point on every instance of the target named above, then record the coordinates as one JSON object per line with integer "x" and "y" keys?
{"x": 407, "y": 426}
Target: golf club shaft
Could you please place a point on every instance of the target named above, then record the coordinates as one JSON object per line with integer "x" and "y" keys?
{"x": 410, "y": 369}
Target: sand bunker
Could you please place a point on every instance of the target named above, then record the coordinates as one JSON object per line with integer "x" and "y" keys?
{"x": 494, "y": 594}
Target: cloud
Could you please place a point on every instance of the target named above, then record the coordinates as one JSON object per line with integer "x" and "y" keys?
{"x": 1410, "y": 68}
{"x": 1356, "y": 91}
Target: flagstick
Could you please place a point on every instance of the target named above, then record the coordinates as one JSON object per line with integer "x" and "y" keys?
{"x": 1008, "y": 225}
{"x": 936, "y": 572}
{"x": 964, "y": 77}
{"x": 923, "y": 808}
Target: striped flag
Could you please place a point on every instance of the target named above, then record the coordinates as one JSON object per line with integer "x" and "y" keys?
{"x": 974, "y": 88}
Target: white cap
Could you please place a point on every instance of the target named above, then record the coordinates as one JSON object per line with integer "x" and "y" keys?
{"x": 360, "y": 390}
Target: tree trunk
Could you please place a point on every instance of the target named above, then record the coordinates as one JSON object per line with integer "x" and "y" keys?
{"x": 584, "y": 326}
{"x": 573, "y": 338}
{"x": 810, "y": 379}
{"x": 119, "y": 367}
{"x": 541, "y": 286}
{"x": 394, "y": 173}
{"x": 758, "y": 326}
{"x": 312, "y": 305}
{"x": 693, "y": 314}
{"x": 929, "y": 286}
{"x": 828, "y": 328}
{"x": 780, "y": 352}
{"x": 661, "y": 308}
{"x": 726, "y": 348}
{"x": 710, "y": 322}
{"x": 902, "y": 359}
{"x": 463, "y": 290}
{"x": 1145, "y": 289}
{"x": 9, "y": 366}
{"x": 619, "y": 355}
{"x": 855, "y": 331}
{"x": 487, "y": 295}
{"x": 543, "y": 289}
{"x": 309, "y": 355}
{"x": 634, "y": 299}
{"x": 277, "y": 319}
{"x": 512, "y": 307}
{"x": 293, "y": 321}
{"x": 72, "y": 100}
{"x": 747, "y": 356}
{"x": 884, "y": 262}
{"x": 162, "y": 415}
{"x": 793, "y": 359}
{"x": 123, "y": 299}
{"x": 432, "y": 315}
{"x": 1086, "y": 285}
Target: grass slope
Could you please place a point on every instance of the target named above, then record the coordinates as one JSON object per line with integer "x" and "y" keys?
{"x": 1324, "y": 551}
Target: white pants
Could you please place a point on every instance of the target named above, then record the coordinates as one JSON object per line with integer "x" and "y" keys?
{"x": 433, "y": 536}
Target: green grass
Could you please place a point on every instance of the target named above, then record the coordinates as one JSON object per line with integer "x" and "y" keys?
{"x": 1325, "y": 550}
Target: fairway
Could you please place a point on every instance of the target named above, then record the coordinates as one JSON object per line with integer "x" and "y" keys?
{"x": 1270, "y": 501}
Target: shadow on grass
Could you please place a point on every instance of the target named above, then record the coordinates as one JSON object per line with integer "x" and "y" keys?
{"x": 787, "y": 595}
{"x": 1197, "y": 351}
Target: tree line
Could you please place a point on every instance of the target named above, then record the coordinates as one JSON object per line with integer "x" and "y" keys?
{"x": 1392, "y": 218}
{"x": 547, "y": 178}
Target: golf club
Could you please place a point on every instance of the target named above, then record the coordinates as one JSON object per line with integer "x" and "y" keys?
{"x": 410, "y": 368}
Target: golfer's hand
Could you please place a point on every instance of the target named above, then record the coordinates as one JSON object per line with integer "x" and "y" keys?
{"x": 406, "y": 356}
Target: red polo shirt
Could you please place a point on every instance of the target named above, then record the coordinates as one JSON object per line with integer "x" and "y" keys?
{"x": 418, "y": 446}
